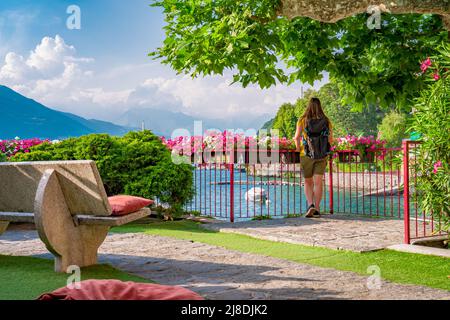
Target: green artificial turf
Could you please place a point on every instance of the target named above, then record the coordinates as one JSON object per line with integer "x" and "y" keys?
{"x": 395, "y": 266}
{"x": 25, "y": 278}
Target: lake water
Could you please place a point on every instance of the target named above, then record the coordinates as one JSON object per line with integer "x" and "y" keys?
{"x": 213, "y": 197}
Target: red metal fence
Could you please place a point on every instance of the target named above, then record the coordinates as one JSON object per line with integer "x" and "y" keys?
{"x": 243, "y": 189}
{"x": 368, "y": 184}
{"x": 418, "y": 224}
{"x": 242, "y": 186}
{"x": 236, "y": 188}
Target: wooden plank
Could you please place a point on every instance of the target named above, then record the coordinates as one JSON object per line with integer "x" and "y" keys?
{"x": 17, "y": 217}
{"x": 112, "y": 221}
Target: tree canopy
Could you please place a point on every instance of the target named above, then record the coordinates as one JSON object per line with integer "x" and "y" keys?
{"x": 255, "y": 42}
{"x": 345, "y": 120}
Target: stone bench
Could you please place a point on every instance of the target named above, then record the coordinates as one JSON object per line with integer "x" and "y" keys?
{"x": 67, "y": 202}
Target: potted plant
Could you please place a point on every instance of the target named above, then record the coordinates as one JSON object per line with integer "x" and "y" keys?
{"x": 352, "y": 148}
{"x": 344, "y": 148}
{"x": 231, "y": 147}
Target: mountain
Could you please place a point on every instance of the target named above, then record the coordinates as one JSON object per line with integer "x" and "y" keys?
{"x": 26, "y": 118}
{"x": 164, "y": 122}
{"x": 268, "y": 125}
{"x": 101, "y": 126}
{"x": 161, "y": 122}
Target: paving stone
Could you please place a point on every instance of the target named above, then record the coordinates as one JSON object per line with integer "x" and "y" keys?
{"x": 421, "y": 250}
{"x": 358, "y": 234}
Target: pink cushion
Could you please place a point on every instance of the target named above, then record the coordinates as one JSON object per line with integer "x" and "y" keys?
{"x": 122, "y": 205}
{"x": 118, "y": 290}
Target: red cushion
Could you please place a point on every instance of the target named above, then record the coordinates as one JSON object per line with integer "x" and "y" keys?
{"x": 122, "y": 205}
{"x": 118, "y": 290}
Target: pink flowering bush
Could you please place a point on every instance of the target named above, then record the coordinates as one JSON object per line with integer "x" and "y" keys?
{"x": 9, "y": 148}
{"x": 226, "y": 141}
{"x": 436, "y": 167}
{"x": 431, "y": 120}
{"x": 434, "y": 69}
{"x": 361, "y": 146}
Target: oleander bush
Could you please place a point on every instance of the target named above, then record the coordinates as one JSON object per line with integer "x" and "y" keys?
{"x": 138, "y": 164}
{"x": 431, "y": 119}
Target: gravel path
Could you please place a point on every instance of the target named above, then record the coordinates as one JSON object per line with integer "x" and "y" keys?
{"x": 358, "y": 234}
{"x": 217, "y": 273}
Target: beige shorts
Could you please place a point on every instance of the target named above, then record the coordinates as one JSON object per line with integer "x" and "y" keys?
{"x": 312, "y": 167}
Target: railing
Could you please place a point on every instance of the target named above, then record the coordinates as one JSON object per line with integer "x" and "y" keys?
{"x": 369, "y": 184}
{"x": 418, "y": 224}
{"x": 245, "y": 185}
{"x": 252, "y": 186}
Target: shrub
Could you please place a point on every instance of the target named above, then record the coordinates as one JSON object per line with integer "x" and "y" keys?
{"x": 393, "y": 129}
{"x": 431, "y": 119}
{"x": 136, "y": 164}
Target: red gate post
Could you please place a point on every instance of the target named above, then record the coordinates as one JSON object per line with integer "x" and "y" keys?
{"x": 231, "y": 168}
{"x": 330, "y": 187}
{"x": 407, "y": 239}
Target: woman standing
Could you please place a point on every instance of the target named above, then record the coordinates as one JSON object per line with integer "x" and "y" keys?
{"x": 313, "y": 140}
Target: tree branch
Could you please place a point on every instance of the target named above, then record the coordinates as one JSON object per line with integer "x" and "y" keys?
{"x": 334, "y": 10}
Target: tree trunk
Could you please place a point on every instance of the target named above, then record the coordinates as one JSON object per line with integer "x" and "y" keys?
{"x": 335, "y": 10}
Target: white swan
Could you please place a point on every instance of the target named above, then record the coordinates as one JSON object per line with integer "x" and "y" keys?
{"x": 257, "y": 195}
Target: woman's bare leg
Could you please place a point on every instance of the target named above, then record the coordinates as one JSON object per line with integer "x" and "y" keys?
{"x": 318, "y": 190}
{"x": 309, "y": 190}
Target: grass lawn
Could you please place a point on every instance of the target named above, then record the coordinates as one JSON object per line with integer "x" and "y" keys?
{"x": 395, "y": 266}
{"x": 25, "y": 278}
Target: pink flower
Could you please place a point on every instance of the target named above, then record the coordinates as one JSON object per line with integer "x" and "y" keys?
{"x": 437, "y": 165}
{"x": 11, "y": 147}
{"x": 425, "y": 65}
{"x": 436, "y": 76}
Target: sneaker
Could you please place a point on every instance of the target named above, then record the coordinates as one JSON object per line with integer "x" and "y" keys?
{"x": 316, "y": 213}
{"x": 311, "y": 211}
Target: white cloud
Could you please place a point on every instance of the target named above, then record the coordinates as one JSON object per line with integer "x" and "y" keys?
{"x": 48, "y": 71}
{"x": 53, "y": 74}
{"x": 211, "y": 97}
{"x": 14, "y": 69}
{"x": 101, "y": 97}
{"x": 49, "y": 54}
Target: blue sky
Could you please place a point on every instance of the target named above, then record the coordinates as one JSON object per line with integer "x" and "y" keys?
{"x": 103, "y": 69}
{"x": 132, "y": 27}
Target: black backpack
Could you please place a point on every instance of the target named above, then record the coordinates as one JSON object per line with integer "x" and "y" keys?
{"x": 316, "y": 143}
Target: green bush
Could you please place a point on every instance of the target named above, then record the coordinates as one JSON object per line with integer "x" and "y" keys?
{"x": 393, "y": 129}
{"x": 431, "y": 119}
{"x": 135, "y": 164}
